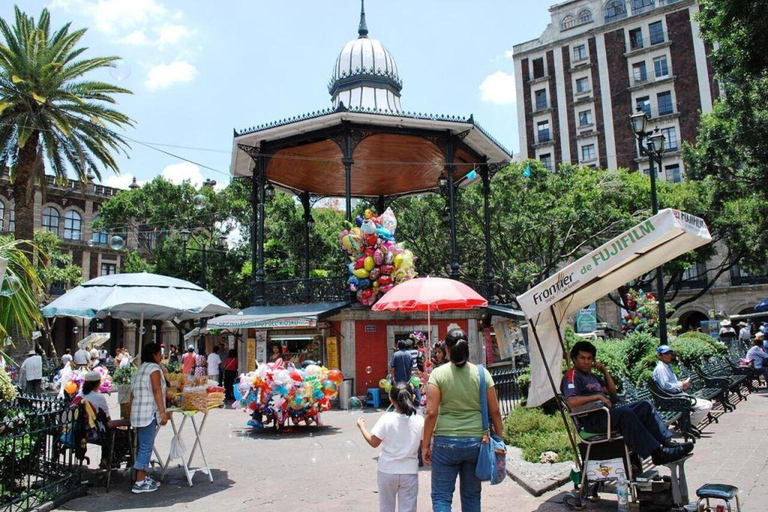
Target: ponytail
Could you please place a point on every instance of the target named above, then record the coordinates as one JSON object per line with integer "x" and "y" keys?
{"x": 456, "y": 342}
{"x": 400, "y": 394}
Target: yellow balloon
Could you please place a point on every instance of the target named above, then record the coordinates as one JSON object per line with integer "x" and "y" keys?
{"x": 398, "y": 260}
{"x": 368, "y": 264}
{"x": 361, "y": 273}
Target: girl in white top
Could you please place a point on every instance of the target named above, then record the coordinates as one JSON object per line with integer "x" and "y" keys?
{"x": 399, "y": 434}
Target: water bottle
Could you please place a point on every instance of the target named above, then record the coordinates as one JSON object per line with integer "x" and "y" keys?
{"x": 622, "y": 492}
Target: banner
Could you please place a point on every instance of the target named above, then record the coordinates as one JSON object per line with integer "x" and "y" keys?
{"x": 509, "y": 338}
{"x": 261, "y": 347}
{"x": 250, "y": 355}
{"x": 332, "y": 350}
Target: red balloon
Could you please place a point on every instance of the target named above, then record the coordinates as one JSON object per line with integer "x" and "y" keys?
{"x": 384, "y": 280}
{"x": 295, "y": 375}
{"x": 360, "y": 262}
{"x": 371, "y": 240}
{"x": 335, "y": 376}
{"x": 387, "y": 269}
{"x": 369, "y": 251}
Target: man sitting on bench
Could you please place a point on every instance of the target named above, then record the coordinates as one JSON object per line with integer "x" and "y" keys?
{"x": 639, "y": 423}
{"x": 668, "y": 381}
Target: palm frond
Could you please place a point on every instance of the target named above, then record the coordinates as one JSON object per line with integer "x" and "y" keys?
{"x": 20, "y": 311}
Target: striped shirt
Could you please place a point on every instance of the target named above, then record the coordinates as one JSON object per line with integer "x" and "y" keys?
{"x": 144, "y": 408}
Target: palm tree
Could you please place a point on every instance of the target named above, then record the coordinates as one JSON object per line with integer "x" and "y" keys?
{"x": 49, "y": 113}
{"x": 20, "y": 292}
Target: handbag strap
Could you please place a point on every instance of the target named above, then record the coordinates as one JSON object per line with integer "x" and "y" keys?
{"x": 483, "y": 397}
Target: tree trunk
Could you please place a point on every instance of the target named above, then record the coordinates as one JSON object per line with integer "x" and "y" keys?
{"x": 24, "y": 192}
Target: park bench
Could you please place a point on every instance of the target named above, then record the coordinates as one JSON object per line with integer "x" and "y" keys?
{"x": 732, "y": 360}
{"x": 708, "y": 388}
{"x": 677, "y": 401}
{"x": 716, "y": 367}
{"x": 670, "y": 411}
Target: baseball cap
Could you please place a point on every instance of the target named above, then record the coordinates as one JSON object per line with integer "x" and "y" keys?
{"x": 663, "y": 349}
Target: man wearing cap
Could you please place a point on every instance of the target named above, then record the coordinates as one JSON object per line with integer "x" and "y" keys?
{"x": 32, "y": 369}
{"x": 188, "y": 361}
{"x": 668, "y": 381}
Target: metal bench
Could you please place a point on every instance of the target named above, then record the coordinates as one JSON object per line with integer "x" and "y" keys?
{"x": 671, "y": 411}
{"x": 681, "y": 402}
{"x": 708, "y": 388}
{"x": 716, "y": 367}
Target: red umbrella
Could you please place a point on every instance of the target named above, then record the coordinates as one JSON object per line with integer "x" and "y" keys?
{"x": 430, "y": 294}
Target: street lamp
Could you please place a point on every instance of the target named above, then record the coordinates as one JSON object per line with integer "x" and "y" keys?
{"x": 442, "y": 183}
{"x": 311, "y": 222}
{"x": 652, "y": 145}
{"x": 269, "y": 191}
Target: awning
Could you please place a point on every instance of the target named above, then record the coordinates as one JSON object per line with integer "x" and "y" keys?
{"x": 95, "y": 339}
{"x": 278, "y": 317}
{"x": 505, "y": 311}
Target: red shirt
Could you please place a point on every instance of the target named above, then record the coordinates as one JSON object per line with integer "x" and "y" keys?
{"x": 188, "y": 363}
{"x": 230, "y": 365}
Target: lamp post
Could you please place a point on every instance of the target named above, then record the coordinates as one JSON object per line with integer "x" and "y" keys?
{"x": 652, "y": 145}
{"x": 221, "y": 243}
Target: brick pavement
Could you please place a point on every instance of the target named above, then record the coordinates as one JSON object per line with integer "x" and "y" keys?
{"x": 275, "y": 471}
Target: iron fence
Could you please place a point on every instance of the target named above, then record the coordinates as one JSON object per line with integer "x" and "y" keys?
{"x": 36, "y": 465}
{"x": 508, "y": 389}
{"x": 303, "y": 291}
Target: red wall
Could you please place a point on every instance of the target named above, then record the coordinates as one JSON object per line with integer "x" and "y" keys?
{"x": 371, "y": 349}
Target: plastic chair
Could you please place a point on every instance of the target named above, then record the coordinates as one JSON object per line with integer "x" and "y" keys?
{"x": 373, "y": 397}
{"x": 723, "y": 492}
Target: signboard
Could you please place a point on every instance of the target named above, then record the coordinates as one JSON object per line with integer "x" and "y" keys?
{"x": 283, "y": 323}
{"x": 509, "y": 338}
{"x": 250, "y": 355}
{"x": 261, "y": 347}
{"x": 370, "y": 328}
{"x": 586, "y": 319}
{"x": 332, "y": 350}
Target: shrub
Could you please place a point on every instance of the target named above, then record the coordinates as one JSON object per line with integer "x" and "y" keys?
{"x": 535, "y": 432}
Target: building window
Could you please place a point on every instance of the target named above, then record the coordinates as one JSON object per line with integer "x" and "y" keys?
{"x": 579, "y": 52}
{"x": 546, "y": 161}
{"x": 538, "y": 68}
{"x": 640, "y": 6}
{"x": 108, "y": 269}
{"x": 541, "y": 99}
{"x": 101, "y": 237}
{"x": 665, "y": 103}
{"x": 615, "y": 10}
{"x": 661, "y": 67}
{"x": 543, "y": 130}
{"x": 12, "y": 219}
{"x": 2, "y": 215}
{"x": 656, "y": 31}
{"x": 644, "y": 104}
{"x": 568, "y": 22}
{"x": 73, "y": 225}
{"x": 636, "y": 39}
{"x": 673, "y": 173}
{"x": 585, "y": 118}
{"x": 146, "y": 238}
{"x": 588, "y": 153}
{"x": 585, "y": 16}
{"x": 582, "y": 85}
{"x": 51, "y": 220}
{"x": 670, "y": 134}
{"x": 639, "y": 73}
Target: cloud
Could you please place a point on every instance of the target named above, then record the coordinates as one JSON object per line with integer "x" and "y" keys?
{"x": 509, "y": 54}
{"x": 136, "y": 38}
{"x": 499, "y": 88}
{"x": 121, "y": 181}
{"x": 163, "y": 76}
{"x": 114, "y": 16}
{"x": 172, "y": 34}
{"x": 185, "y": 171}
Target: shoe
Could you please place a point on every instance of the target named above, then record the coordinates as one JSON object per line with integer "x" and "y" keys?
{"x": 666, "y": 455}
{"x": 157, "y": 482}
{"x": 687, "y": 446}
{"x": 146, "y": 485}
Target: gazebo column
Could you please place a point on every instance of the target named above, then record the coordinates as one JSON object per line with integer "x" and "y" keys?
{"x": 450, "y": 169}
{"x": 485, "y": 174}
{"x": 380, "y": 205}
{"x": 259, "y": 199}
{"x": 348, "y": 161}
{"x": 304, "y": 198}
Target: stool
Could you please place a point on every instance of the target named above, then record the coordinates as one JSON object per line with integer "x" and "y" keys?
{"x": 373, "y": 397}
{"x": 112, "y": 427}
{"x": 679, "y": 483}
{"x": 722, "y": 492}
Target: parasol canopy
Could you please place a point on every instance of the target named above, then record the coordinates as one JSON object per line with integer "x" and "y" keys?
{"x": 141, "y": 295}
{"x": 95, "y": 339}
{"x": 548, "y": 305}
{"x": 430, "y": 294}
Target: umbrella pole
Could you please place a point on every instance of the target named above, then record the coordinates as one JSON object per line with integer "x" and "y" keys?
{"x": 429, "y": 336}
{"x": 141, "y": 334}
{"x": 555, "y": 390}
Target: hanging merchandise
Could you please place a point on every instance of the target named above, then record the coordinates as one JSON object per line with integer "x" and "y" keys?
{"x": 377, "y": 261}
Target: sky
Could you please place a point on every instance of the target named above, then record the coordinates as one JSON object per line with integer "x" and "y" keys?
{"x": 199, "y": 68}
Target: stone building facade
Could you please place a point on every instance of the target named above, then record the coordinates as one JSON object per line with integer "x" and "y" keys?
{"x": 579, "y": 82}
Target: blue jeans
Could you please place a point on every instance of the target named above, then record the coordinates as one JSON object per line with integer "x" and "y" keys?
{"x": 452, "y": 457}
{"x": 145, "y": 439}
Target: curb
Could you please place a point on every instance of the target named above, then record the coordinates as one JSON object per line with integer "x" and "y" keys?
{"x": 78, "y": 491}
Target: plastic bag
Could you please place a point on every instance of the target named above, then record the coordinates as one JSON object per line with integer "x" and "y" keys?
{"x": 178, "y": 448}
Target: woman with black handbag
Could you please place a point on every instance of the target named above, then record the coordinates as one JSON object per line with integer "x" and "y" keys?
{"x": 454, "y": 426}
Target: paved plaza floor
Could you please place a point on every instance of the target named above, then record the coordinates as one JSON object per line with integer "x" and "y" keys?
{"x": 311, "y": 469}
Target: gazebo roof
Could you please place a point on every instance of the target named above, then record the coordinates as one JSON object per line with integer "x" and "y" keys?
{"x": 394, "y": 153}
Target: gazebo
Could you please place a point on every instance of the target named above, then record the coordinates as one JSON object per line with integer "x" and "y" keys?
{"x": 363, "y": 147}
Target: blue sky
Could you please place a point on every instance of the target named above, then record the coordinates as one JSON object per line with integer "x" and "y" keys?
{"x": 198, "y": 69}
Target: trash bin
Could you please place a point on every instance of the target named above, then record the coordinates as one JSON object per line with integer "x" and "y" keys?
{"x": 345, "y": 393}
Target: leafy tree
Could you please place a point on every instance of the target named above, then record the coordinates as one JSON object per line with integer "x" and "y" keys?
{"x": 52, "y": 264}
{"x": 50, "y": 112}
{"x": 19, "y": 312}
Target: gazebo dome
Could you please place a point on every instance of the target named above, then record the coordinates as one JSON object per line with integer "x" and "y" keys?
{"x": 365, "y": 75}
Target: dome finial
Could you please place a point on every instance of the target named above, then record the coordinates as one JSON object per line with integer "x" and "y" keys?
{"x": 363, "y": 28}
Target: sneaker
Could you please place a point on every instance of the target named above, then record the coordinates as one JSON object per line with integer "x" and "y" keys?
{"x": 156, "y": 482}
{"x": 146, "y": 485}
{"x": 666, "y": 455}
{"x": 687, "y": 446}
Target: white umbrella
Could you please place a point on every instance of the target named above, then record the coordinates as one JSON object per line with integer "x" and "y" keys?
{"x": 95, "y": 339}
{"x": 548, "y": 305}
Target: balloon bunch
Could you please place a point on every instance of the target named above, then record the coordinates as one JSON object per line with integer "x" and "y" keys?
{"x": 70, "y": 381}
{"x": 377, "y": 262}
{"x": 641, "y": 313}
{"x": 277, "y": 393}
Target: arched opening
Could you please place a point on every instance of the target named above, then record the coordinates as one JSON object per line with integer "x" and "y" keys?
{"x": 692, "y": 321}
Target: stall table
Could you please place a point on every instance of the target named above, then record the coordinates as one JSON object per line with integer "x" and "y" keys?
{"x": 198, "y": 431}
